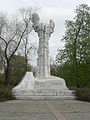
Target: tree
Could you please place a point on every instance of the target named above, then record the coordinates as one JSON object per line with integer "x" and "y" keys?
{"x": 17, "y": 68}
{"x": 77, "y": 40}
{"x": 11, "y": 35}
{"x": 1, "y": 56}
{"x": 27, "y": 47}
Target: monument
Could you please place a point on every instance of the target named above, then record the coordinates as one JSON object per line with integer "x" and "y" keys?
{"x": 44, "y": 86}
{"x": 44, "y": 33}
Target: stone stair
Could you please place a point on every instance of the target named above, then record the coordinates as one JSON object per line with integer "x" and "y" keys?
{"x": 45, "y": 94}
{"x": 46, "y": 88}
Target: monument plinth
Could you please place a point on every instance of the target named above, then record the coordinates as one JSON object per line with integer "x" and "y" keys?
{"x": 44, "y": 86}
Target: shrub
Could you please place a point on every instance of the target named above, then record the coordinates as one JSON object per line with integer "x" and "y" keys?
{"x": 6, "y": 94}
{"x": 83, "y": 94}
{"x": 1, "y": 79}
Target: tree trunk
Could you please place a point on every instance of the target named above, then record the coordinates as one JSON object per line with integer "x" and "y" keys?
{"x": 26, "y": 62}
{"x": 26, "y": 65}
{"x": 7, "y": 75}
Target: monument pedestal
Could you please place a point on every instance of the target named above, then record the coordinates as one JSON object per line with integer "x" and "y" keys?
{"x": 47, "y": 88}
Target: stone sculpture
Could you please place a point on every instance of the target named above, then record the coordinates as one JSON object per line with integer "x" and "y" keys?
{"x": 44, "y": 86}
{"x": 44, "y": 33}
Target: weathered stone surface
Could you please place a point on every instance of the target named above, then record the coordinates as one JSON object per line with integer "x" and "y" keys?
{"x": 48, "y": 88}
{"x": 44, "y": 86}
{"x": 44, "y": 32}
{"x": 27, "y": 83}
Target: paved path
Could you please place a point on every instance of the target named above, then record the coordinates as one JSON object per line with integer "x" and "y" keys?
{"x": 44, "y": 110}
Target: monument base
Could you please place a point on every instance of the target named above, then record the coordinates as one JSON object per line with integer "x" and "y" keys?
{"x": 48, "y": 88}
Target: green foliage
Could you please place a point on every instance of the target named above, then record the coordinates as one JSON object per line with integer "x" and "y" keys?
{"x": 17, "y": 69}
{"x": 74, "y": 58}
{"x": 77, "y": 37}
{"x": 29, "y": 68}
{"x": 73, "y": 77}
{"x": 6, "y": 94}
{"x": 1, "y": 79}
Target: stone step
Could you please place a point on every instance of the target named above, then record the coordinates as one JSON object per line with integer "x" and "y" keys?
{"x": 45, "y": 94}
{"x": 52, "y": 92}
{"x": 44, "y": 97}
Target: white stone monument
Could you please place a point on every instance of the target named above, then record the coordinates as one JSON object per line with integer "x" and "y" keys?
{"x": 44, "y": 86}
{"x": 44, "y": 33}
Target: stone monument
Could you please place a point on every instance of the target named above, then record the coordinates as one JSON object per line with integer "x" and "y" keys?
{"x": 44, "y": 86}
{"x": 44, "y": 33}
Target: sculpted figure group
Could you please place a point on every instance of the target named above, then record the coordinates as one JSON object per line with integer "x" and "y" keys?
{"x": 44, "y": 32}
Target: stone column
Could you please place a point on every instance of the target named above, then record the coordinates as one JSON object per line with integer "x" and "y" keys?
{"x": 44, "y": 33}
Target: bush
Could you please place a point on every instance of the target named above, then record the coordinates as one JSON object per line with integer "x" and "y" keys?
{"x": 6, "y": 94}
{"x": 83, "y": 94}
{"x": 1, "y": 79}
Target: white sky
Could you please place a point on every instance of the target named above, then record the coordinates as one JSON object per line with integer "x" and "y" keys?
{"x": 58, "y": 10}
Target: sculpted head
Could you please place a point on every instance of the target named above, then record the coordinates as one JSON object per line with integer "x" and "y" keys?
{"x": 35, "y": 18}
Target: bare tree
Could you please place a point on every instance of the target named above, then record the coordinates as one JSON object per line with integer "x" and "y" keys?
{"x": 11, "y": 35}
{"x": 28, "y": 47}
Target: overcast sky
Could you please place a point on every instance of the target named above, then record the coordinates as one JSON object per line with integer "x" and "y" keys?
{"x": 58, "y": 10}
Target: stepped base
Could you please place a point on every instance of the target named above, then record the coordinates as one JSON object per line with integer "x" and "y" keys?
{"x": 44, "y": 94}
{"x": 48, "y": 88}
{"x": 45, "y": 97}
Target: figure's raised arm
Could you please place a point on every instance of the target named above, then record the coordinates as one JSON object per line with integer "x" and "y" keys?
{"x": 35, "y": 20}
{"x": 51, "y": 26}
